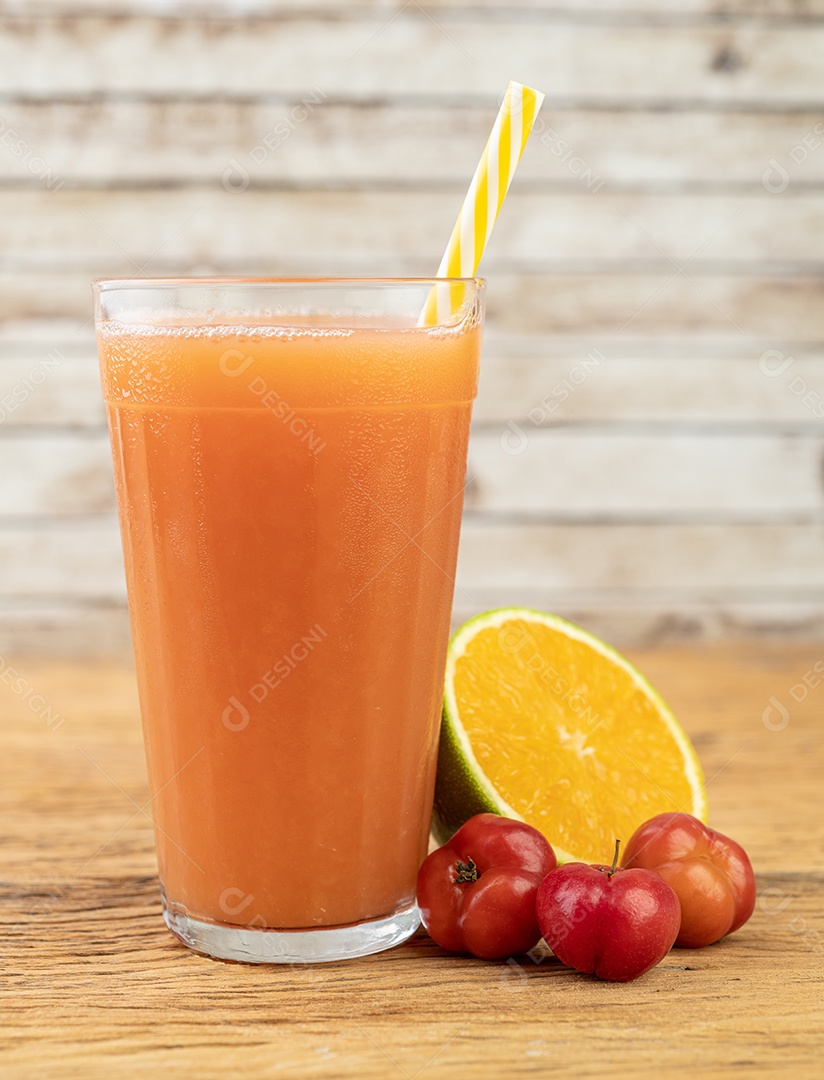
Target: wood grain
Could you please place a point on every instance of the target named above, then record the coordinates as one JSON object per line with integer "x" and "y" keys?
{"x": 81, "y": 626}
{"x": 53, "y": 383}
{"x": 532, "y": 381}
{"x": 661, "y": 10}
{"x": 334, "y": 144}
{"x": 81, "y": 558}
{"x": 129, "y": 232}
{"x": 119, "y": 121}
{"x": 712, "y": 559}
{"x": 736, "y": 307}
{"x": 78, "y": 626}
{"x": 679, "y": 383}
{"x": 757, "y": 310}
{"x": 462, "y": 54}
{"x": 96, "y": 987}
{"x": 535, "y": 381}
{"x": 568, "y": 475}
{"x": 560, "y": 475}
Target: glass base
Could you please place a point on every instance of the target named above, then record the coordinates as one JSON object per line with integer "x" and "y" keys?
{"x": 249, "y": 945}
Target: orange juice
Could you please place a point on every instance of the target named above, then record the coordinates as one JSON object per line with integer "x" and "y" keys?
{"x": 290, "y": 495}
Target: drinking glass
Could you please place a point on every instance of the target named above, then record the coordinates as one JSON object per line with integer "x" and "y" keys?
{"x": 289, "y": 458}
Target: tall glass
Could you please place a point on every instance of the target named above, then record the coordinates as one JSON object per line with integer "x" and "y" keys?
{"x": 289, "y": 458}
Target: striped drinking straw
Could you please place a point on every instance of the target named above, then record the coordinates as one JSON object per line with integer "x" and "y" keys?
{"x": 485, "y": 196}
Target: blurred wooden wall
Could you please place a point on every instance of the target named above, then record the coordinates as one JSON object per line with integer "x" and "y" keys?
{"x": 647, "y": 457}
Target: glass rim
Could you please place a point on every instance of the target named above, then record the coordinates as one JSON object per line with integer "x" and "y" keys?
{"x": 104, "y": 284}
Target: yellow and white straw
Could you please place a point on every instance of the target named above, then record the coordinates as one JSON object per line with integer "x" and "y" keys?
{"x": 485, "y": 196}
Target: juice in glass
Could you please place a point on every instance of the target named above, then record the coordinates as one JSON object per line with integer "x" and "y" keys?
{"x": 290, "y": 462}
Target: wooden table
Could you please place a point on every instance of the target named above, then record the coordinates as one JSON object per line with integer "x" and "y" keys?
{"x": 94, "y": 985}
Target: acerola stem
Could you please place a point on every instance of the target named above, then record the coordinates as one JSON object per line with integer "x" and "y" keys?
{"x": 467, "y": 872}
{"x": 614, "y": 866}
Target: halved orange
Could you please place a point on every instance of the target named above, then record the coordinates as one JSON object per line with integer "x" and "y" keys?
{"x": 547, "y": 724}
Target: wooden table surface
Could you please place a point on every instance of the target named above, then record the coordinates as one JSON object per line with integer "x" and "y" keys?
{"x": 94, "y": 985}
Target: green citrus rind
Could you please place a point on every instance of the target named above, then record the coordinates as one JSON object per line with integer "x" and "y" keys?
{"x": 462, "y": 789}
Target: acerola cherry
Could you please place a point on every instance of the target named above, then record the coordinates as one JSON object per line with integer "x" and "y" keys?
{"x": 607, "y": 921}
{"x": 710, "y": 874}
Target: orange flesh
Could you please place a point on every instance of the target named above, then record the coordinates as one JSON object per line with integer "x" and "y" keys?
{"x": 584, "y": 756}
{"x": 289, "y": 635}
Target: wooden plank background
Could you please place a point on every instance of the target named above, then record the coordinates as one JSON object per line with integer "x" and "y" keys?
{"x": 647, "y": 453}
{"x": 97, "y": 989}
